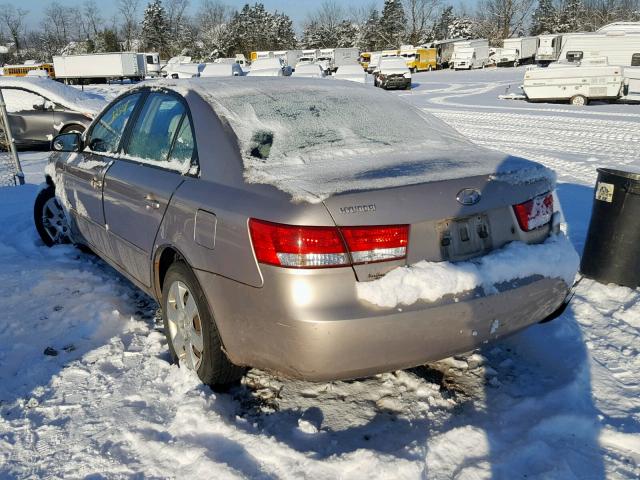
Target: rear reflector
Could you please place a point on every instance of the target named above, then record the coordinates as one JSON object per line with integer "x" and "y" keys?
{"x": 534, "y": 213}
{"x": 321, "y": 247}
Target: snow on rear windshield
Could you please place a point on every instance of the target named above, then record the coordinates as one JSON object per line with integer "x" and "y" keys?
{"x": 316, "y": 138}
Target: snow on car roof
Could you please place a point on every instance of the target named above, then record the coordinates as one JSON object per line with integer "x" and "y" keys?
{"x": 312, "y": 138}
{"x": 57, "y": 92}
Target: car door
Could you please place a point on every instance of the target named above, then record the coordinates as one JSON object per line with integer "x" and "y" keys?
{"x": 30, "y": 117}
{"x": 84, "y": 171}
{"x": 138, "y": 187}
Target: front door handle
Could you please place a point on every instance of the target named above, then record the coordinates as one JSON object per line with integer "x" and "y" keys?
{"x": 96, "y": 183}
{"x": 151, "y": 202}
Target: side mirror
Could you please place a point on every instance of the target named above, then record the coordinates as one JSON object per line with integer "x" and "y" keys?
{"x": 67, "y": 142}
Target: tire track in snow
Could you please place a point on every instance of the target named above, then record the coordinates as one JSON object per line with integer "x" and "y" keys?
{"x": 573, "y": 149}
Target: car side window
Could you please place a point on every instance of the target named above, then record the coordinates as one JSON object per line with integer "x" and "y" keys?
{"x": 184, "y": 146}
{"x": 22, "y": 101}
{"x": 155, "y": 129}
{"x": 107, "y": 131}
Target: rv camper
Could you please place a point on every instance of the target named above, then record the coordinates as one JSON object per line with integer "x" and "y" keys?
{"x": 548, "y": 48}
{"x": 575, "y": 83}
{"x": 628, "y": 27}
{"x": 470, "y": 54}
{"x": 618, "y": 47}
{"x": 516, "y": 51}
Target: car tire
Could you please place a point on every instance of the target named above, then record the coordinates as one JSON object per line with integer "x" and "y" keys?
{"x": 579, "y": 100}
{"x": 191, "y": 331}
{"x": 73, "y": 128}
{"x": 50, "y": 218}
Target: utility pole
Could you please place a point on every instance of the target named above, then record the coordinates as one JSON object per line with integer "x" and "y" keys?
{"x": 10, "y": 143}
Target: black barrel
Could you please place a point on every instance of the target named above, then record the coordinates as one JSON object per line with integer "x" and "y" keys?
{"x": 612, "y": 251}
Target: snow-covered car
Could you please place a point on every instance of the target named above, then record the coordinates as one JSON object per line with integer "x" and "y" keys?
{"x": 353, "y": 73}
{"x": 267, "y": 67}
{"x": 309, "y": 71}
{"x": 392, "y": 73}
{"x": 182, "y": 70}
{"x": 221, "y": 70}
{"x": 280, "y": 227}
{"x": 39, "y": 108}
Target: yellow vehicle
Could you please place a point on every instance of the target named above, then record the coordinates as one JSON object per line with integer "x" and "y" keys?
{"x": 253, "y": 57}
{"x": 23, "y": 70}
{"x": 420, "y": 59}
{"x": 365, "y": 59}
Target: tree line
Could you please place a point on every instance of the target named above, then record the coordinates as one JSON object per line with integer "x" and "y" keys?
{"x": 214, "y": 29}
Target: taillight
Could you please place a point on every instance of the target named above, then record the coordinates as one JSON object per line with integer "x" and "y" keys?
{"x": 376, "y": 244}
{"x": 534, "y": 213}
{"x": 320, "y": 247}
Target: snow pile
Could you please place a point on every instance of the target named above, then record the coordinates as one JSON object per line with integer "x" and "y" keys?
{"x": 313, "y": 139}
{"x": 430, "y": 281}
{"x": 57, "y": 92}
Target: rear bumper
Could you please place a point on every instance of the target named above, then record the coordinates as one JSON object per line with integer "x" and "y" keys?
{"x": 395, "y": 82}
{"x": 312, "y": 326}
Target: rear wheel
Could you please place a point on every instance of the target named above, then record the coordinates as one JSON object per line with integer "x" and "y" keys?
{"x": 72, "y": 129}
{"x": 50, "y": 219}
{"x": 194, "y": 340}
{"x": 579, "y": 100}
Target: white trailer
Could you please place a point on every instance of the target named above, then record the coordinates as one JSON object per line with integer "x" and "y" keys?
{"x": 289, "y": 57}
{"x": 620, "y": 48}
{"x": 345, "y": 56}
{"x": 444, "y": 50}
{"x": 628, "y": 27}
{"x": 516, "y": 51}
{"x": 577, "y": 84}
{"x": 470, "y": 54}
{"x": 631, "y": 88}
{"x": 151, "y": 61}
{"x": 98, "y": 67}
{"x": 549, "y": 47}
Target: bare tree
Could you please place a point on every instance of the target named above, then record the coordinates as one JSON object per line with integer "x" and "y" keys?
{"x": 13, "y": 19}
{"x": 128, "y": 10}
{"x": 421, "y": 15}
{"x": 500, "y": 19}
{"x": 91, "y": 17}
{"x": 176, "y": 15}
{"x": 330, "y": 14}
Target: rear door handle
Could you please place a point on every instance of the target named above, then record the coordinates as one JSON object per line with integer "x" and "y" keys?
{"x": 151, "y": 202}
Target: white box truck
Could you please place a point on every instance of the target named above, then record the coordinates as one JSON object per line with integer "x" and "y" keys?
{"x": 575, "y": 83}
{"x": 620, "y": 48}
{"x": 516, "y": 51}
{"x": 345, "y": 56}
{"x": 549, "y": 46}
{"x": 289, "y": 57}
{"x": 444, "y": 50}
{"x": 151, "y": 61}
{"x": 98, "y": 67}
{"x": 470, "y": 54}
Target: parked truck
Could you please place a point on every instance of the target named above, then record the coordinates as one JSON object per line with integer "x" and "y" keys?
{"x": 289, "y": 57}
{"x": 151, "y": 62}
{"x": 620, "y": 48}
{"x": 420, "y": 59}
{"x": 345, "y": 56}
{"x": 444, "y": 51}
{"x": 549, "y": 47}
{"x": 470, "y": 54}
{"x": 98, "y": 67}
{"x": 516, "y": 51}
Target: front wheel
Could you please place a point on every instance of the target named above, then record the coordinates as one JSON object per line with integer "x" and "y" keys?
{"x": 579, "y": 100}
{"x": 191, "y": 331}
{"x": 50, "y": 219}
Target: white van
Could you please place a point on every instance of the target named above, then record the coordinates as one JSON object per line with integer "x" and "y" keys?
{"x": 516, "y": 51}
{"x": 575, "y": 83}
{"x": 618, "y": 47}
{"x": 548, "y": 48}
{"x": 470, "y": 54}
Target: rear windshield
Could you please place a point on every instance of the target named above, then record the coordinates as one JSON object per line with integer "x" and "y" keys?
{"x": 313, "y": 122}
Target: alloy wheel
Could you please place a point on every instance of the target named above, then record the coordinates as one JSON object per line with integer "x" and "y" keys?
{"x": 54, "y": 221}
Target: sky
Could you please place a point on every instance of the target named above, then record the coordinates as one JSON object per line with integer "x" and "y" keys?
{"x": 296, "y": 9}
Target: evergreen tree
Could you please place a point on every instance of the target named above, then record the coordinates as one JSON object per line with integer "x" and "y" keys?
{"x": 571, "y": 16}
{"x": 155, "y": 28}
{"x": 369, "y": 38}
{"x": 544, "y": 18}
{"x": 462, "y": 28}
{"x": 282, "y": 34}
{"x": 346, "y": 34}
{"x": 441, "y": 29}
{"x": 392, "y": 24}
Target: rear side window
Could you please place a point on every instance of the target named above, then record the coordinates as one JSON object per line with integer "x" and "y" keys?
{"x": 107, "y": 132}
{"x": 22, "y": 101}
{"x": 153, "y": 134}
{"x": 635, "y": 60}
{"x": 574, "y": 56}
{"x": 184, "y": 146}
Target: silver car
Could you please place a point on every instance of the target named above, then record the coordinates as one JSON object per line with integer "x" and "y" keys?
{"x": 254, "y": 209}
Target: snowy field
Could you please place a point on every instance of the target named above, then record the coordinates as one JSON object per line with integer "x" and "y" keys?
{"x": 558, "y": 401}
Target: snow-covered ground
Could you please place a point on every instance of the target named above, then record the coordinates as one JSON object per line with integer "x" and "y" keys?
{"x": 558, "y": 401}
